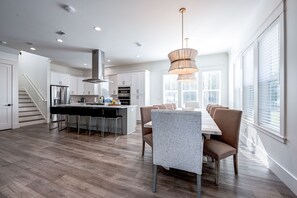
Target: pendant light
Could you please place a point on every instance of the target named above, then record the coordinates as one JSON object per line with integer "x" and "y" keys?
{"x": 183, "y": 60}
{"x": 186, "y": 77}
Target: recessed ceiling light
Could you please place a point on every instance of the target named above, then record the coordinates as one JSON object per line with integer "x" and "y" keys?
{"x": 3, "y": 42}
{"x": 69, "y": 8}
{"x": 60, "y": 40}
{"x": 97, "y": 28}
{"x": 108, "y": 60}
{"x": 85, "y": 64}
{"x": 32, "y": 48}
{"x": 137, "y": 56}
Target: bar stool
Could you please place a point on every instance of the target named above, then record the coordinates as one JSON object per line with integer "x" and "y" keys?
{"x": 73, "y": 112}
{"x": 97, "y": 114}
{"x": 86, "y": 112}
{"x": 111, "y": 115}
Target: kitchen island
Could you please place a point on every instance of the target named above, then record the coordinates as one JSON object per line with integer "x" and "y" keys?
{"x": 128, "y": 113}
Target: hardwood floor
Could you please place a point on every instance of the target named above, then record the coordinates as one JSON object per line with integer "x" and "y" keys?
{"x": 36, "y": 162}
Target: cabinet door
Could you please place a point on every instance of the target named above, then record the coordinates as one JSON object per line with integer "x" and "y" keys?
{"x": 63, "y": 79}
{"x": 73, "y": 85}
{"x": 54, "y": 78}
{"x": 90, "y": 88}
{"x": 113, "y": 85}
{"x": 80, "y": 86}
{"x": 124, "y": 79}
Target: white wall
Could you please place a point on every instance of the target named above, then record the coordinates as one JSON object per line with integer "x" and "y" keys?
{"x": 38, "y": 70}
{"x": 10, "y": 56}
{"x": 66, "y": 70}
{"x": 280, "y": 157}
{"x": 157, "y": 69}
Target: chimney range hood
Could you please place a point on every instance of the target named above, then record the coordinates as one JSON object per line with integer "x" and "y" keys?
{"x": 98, "y": 60}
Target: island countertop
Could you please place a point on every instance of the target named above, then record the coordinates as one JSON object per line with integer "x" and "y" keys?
{"x": 95, "y": 106}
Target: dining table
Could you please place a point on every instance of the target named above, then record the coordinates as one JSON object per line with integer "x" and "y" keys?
{"x": 208, "y": 125}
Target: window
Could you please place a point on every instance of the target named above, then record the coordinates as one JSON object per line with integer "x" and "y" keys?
{"x": 170, "y": 88}
{"x": 269, "y": 78}
{"x": 237, "y": 85}
{"x": 211, "y": 87}
{"x": 190, "y": 91}
{"x": 248, "y": 84}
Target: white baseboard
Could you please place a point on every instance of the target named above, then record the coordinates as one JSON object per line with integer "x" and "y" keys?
{"x": 284, "y": 175}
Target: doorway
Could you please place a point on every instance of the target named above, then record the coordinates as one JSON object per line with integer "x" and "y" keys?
{"x": 6, "y": 98}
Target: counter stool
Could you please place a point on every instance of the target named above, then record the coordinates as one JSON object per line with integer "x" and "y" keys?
{"x": 111, "y": 115}
{"x": 98, "y": 115}
{"x": 73, "y": 113}
{"x": 86, "y": 112}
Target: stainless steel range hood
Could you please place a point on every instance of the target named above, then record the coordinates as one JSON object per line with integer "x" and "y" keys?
{"x": 98, "y": 64}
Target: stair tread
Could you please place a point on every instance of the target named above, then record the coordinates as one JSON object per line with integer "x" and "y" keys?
{"x": 32, "y": 120}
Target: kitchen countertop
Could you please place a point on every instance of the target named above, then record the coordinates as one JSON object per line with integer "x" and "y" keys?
{"x": 95, "y": 106}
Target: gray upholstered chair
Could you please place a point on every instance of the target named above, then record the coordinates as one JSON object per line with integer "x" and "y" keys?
{"x": 178, "y": 142}
{"x": 225, "y": 145}
{"x": 145, "y": 113}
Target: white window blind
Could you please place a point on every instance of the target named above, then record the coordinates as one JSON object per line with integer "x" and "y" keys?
{"x": 248, "y": 84}
{"x": 237, "y": 85}
{"x": 269, "y": 78}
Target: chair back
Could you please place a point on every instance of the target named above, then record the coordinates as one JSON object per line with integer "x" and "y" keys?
{"x": 160, "y": 106}
{"x": 177, "y": 139}
{"x": 213, "y": 109}
{"x": 145, "y": 114}
{"x": 228, "y": 120}
{"x": 170, "y": 106}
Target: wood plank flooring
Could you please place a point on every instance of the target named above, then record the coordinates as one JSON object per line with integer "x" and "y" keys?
{"x": 36, "y": 162}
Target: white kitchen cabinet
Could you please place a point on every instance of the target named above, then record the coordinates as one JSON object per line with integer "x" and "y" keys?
{"x": 140, "y": 90}
{"x": 59, "y": 78}
{"x": 90, "y": 88}
{"x": 124, "y": 79}
{"x": 113, "y": 85}
{"x": 73, "y": 85}
{"x": 80, "y": 86}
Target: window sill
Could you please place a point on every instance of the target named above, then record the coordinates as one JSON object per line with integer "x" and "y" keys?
{"x": 260, "y": 129}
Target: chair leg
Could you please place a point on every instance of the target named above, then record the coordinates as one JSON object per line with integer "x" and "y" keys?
{"x": 217, "y": 162}
{"x": 235, "y": 162}
{"x": 198, "y": 186}
{"x": 143, "y": 147}
{"x": 155, "y": 168}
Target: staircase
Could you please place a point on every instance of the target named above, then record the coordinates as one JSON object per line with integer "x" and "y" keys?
{"x": 28, "y": 112}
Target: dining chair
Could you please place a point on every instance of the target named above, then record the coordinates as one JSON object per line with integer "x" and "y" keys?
{"x": 225, "y": 145}
{"x": 213, "y": 109}
{"x": 178, "y": 142}
{"x": 160, "y": 106}
{"x": 145, "y": 113}
{"x": 170, "y": 106}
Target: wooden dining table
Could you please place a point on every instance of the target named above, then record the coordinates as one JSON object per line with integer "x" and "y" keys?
{"x": 208, "y": 125}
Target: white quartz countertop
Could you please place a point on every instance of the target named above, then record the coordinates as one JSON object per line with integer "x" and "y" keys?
{"x": 95, "y": 106}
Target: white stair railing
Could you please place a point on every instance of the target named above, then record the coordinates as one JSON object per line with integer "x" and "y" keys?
{"x": 37, "y": 97}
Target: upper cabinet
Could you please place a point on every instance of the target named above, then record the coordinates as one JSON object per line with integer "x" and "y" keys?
{"x": 59, "y": 79}
{"x": 124, "y": 79}
{"x": 113, "y": 85}
{"x": 90, "y": 88}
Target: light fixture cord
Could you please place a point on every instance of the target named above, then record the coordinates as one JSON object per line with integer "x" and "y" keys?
{"x": 182, "y": 29}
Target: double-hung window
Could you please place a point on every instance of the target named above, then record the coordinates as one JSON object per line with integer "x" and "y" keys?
{"x": 211, "y": 87}
{"x": 170, "y": 88}
{"x": 269, "y": 78}
{"x": 190, "y": 90}
{"x": 248, "y": 84}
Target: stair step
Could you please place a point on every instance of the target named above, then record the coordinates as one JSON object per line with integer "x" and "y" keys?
{"x": 22, "y": 91}
{"x": 32, "y": 122}
{"x": 22, "y": 109}
{"x": 24, "y": 100}
{"x": 30, "y": 118}
{"x": 29, "y": 113}
{"x": 24, "y": 97}
{"x": 29, "y": 104}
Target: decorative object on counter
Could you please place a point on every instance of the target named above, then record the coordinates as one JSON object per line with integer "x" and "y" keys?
{"x": 183, "y": 60}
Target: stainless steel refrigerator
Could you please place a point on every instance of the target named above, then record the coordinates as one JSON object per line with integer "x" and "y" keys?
{"x": 58, "y": 95}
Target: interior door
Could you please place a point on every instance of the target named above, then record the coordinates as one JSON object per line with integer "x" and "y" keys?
{"x": 5, "y": 99}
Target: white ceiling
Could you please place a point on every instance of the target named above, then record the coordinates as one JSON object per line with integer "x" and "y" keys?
{"x": 212, "y": 26}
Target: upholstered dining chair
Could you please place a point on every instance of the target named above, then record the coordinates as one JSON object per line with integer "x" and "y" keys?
{"x": 170, "y": 106}
{"x": 208, "y": 108}
{"x": 145, "y": 114}
{"x": 178, "y": 142}
{"x": 162, "y": 106}
{"x": 225, "y": 145}
{"x": 213, "y": 109}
